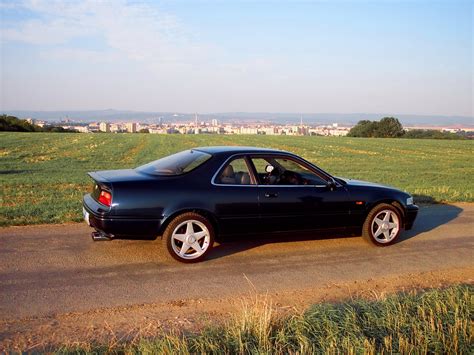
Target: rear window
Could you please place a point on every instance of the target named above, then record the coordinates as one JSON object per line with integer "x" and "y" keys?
{"x": 176, "y": 164}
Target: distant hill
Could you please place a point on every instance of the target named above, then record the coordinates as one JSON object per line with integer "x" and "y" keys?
{"x": 111, "y": 115}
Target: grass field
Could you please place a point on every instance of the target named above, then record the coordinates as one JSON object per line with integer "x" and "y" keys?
{"x": 433, "y": 322}
{"x": 43, "y": 175}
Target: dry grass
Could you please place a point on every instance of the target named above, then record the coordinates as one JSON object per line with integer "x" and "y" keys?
{"x": 437, "y": 321}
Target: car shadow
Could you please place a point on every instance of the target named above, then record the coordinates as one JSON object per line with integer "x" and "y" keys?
{"x": 229, "y": 245}
{"x": 429, "y": 217}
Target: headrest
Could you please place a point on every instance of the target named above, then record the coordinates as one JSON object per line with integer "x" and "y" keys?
{"x": 245, "y": 179}
{"x": 228, "y": 171}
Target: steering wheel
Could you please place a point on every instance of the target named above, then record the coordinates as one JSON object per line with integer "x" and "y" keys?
{"x": 274, "y": 173}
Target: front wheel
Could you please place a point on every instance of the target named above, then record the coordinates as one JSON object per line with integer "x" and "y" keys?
{"x": 382, "y": 226}
{"x": 189, "y": 237}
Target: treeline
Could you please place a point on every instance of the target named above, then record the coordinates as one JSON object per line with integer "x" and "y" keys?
{"x": 434, "y": 134}
{"x": 14, "y": 124}
{"x": 390, "y": 127}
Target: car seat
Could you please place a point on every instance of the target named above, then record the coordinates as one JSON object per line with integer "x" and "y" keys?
{"x": 228, "y": 176}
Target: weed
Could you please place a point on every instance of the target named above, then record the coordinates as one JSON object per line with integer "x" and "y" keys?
{"x": 438, "y": 321}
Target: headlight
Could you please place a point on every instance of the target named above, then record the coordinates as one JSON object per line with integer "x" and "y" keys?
{"x": 409, "y": 201}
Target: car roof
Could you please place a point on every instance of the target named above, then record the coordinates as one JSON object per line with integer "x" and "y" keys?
{"x": 237, "y": 149}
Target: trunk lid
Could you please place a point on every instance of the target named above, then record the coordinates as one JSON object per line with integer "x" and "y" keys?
{"x": 122, "y": 175}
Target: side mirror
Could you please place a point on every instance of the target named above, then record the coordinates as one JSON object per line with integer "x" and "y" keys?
{"x": 331, "y": 184}
{"x": 269, "y": 168}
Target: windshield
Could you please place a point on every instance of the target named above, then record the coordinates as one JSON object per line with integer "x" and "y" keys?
{"x": 176, "y": 164}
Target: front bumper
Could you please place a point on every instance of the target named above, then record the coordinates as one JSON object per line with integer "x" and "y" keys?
{"x": 117, "y": 225}
{"x": 411, "y": 212}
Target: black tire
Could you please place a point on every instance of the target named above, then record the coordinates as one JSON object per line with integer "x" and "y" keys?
{"x": 369, "y": 229}
{"x": 173, "y": 245}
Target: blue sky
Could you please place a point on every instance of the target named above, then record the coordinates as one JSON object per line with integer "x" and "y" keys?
{"x": 406, "y": 57}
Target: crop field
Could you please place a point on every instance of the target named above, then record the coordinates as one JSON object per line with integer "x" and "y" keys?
{"x": 43, "y": 175}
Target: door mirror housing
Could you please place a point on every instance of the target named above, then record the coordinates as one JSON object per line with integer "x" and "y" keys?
{"x": 331, "y": 184}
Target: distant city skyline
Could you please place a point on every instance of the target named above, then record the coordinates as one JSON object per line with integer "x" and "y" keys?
{"x": 404, "y": 58}
{"x": 241, "y": 117}
{"x": 198, "y": 125}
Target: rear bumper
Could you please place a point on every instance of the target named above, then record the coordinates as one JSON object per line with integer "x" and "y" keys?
{"x": 119, "y": 226}
{"x": 410, "y": 215}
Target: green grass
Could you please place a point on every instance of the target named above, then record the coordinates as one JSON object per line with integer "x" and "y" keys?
{"x": 437, "y": 321}
{"x": 43, "y": 175}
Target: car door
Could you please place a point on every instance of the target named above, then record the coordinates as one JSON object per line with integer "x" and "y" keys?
{"x": 294, "y": 196}
{"x": 236, "y": 197}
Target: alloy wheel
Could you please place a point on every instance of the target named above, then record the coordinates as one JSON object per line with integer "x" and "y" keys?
{"x": 385, "y": 226}
{"x": 190, "y": 239}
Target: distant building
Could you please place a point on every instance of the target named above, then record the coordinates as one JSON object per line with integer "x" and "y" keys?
{"x": 338, "y": 132}
{"x": 269, "y": 131}
{"x": 158, "y": 130}
{"x": 215, "y": 129}
{"x": 104, "y": 127}
{"x": 93, "y": 127}
{"x": 131, "y": 127}
{"x": 248, "y": 130}
{"x": 81, "y": 129}
{"x": 214, "y": 122}
{"x": 115, "y": 128}
{"x": 141, "y": 126}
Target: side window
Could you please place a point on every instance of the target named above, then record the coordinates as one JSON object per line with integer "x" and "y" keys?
{"x": 236, "y": 172}
{"x": 282, "y": 171}
{"x": 260, "y": 165}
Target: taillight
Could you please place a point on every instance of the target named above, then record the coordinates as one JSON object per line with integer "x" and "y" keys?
{"x": 105, "y": 198}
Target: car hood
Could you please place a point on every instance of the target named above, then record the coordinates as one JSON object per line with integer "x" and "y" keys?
{"x": 121, "y": 175}
{"x": 353, "y": 182}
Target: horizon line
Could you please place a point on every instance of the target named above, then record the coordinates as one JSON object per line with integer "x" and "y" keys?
{"x": 5, "y": 111}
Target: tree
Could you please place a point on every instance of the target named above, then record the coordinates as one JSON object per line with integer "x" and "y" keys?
{"x": 433, "y": 134}
{"x": 14, "y": 124}
{"x": 58, "y": 129}
{"x": 387, "y": 127}
{"x": 364, "y": 128}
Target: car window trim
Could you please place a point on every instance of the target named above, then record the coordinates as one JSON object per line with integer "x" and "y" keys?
{"x": 253, "y": 178}
{"x": 323, "y": 175}
{"x": 253, "y": 171}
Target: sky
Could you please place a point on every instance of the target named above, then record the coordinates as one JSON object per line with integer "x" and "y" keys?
{"x": 406, "y": 57}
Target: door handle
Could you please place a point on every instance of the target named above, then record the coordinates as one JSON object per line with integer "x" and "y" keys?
{"x": 271, "y": 195}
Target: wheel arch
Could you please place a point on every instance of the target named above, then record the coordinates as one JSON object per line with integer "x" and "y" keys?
{"x": 390, "y": 201}
{"x": 203, "y": 212}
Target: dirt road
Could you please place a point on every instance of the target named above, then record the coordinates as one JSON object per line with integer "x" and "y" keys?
{"x": 52, "y": 275}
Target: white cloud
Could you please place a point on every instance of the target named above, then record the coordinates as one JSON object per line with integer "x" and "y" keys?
{"x": 42, "y": 32}
{"x": 139, "y": 51}
{"x": 83, "y": 55}
{"x": 138, "y": 30}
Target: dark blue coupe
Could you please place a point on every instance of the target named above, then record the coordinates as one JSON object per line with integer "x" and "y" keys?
{"x": 191, "y": 197}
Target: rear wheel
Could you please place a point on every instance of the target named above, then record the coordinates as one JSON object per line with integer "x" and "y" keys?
{"x": 189, "y": 237}
{"x": 382, "y": 226}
